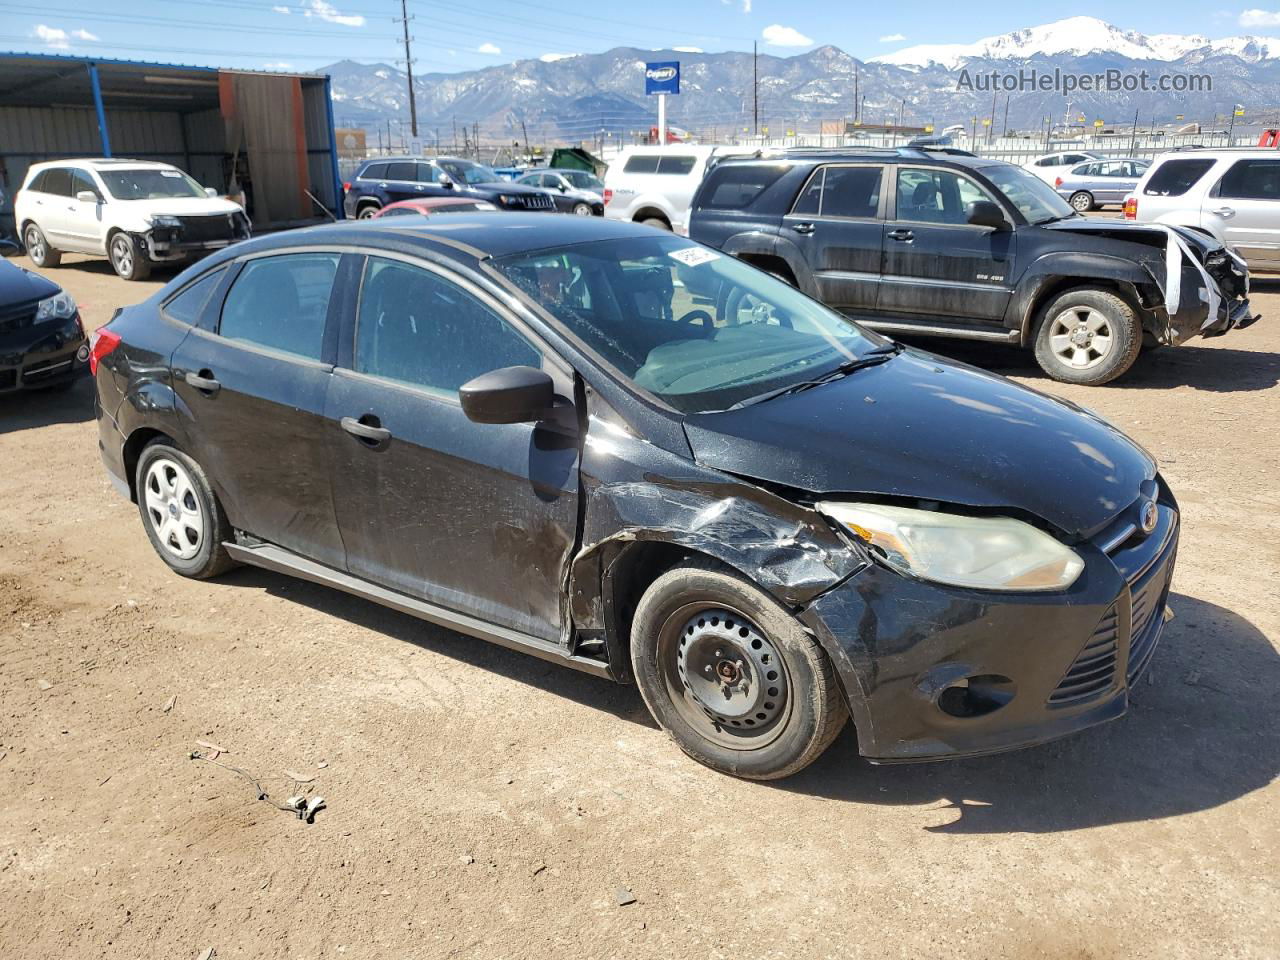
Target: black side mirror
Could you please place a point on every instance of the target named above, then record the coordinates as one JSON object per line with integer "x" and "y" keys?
{"x": 984, "y": 213}
{"x": 509, "y": 395}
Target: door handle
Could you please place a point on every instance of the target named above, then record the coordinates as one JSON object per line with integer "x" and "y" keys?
{"x": 204, "y": 382}
{"x": 1225, "y": 212}
{"x": 373, "y": 432}
{"x": 905, "y": 236}
{"x": 803, "y": 228}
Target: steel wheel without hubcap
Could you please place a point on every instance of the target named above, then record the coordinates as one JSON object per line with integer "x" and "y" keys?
{"x": 727, "y": 680}
{"x": 1081, "y": 337}
{"x": 367, "y": 213}
{"x": 174, "y": 509}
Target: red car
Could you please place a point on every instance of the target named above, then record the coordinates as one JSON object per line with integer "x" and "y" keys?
{"x": 429, "y": 206}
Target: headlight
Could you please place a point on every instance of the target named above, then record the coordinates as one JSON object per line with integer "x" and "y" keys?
{"x": 165, "y": 222}
{"x": 508, "y": 199}
{"x": 985, "y": 553}
{"x": 58, "y": 307}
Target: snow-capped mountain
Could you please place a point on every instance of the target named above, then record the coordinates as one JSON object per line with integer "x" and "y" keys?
{"x": 1078, "y": 37}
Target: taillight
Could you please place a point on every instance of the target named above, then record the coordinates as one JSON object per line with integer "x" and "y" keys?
{"x": 101, "y": 342}
{"x": 1131, "y": 208}
{"x": 608, "y": 195}
{"x": 346, "y": 188}
{"x": 1057, "y": 181}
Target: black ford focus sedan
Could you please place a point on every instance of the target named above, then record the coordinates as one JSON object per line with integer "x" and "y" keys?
{"x": 621, "y": 451}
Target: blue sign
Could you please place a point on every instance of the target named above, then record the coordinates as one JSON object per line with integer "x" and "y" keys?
{"x": 662, "y": 77}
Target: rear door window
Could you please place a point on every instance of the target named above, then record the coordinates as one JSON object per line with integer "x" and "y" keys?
{"x": 1173, "y": 178}
{"x": 403, "y": 170}
{"x": 58, "y": 182}
{"x": 281, "y": 302}
{"x": 841, "y": 191}
{"x": 1252, "y": 179}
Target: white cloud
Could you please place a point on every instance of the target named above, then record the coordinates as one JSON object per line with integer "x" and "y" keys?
{"x": 492, "y": 49}
{"x": 1259, "y": 18}
{"x": 52, "y": 36}
{"x": 892, "y": 38}
{"x": 323, "y": 10}
{"x": 553, "y": 57}
{"x": 746, "y": 6}
{"x": 85, "y": 35}
{"x": 284, "y": 10}
{"x": 688, "y": 50}
{"x": 279, "y": 65}
{"x": 776, "y": 35}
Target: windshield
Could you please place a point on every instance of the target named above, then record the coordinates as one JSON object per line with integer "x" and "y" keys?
{"x": 582, "y": 180}
{"x": 1035, "y": 199}
{"x": 149, "y": 183}
{"x": 464, "y": 171}
{"x": 699, "y": 329}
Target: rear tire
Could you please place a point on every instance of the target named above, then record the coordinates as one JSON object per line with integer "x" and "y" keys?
{"x": 1087, "y": 336}
{"x": 38, "y": 249}
{"x": 582, "y": 210}
{"x": 731, "y": 676}
{"x": 367, "y": 212}
{"x": 1081, "y": 201}
{"x": 127, "y": 260}
{"x": 180, "y": 512}
{"x": 656, "y": 222}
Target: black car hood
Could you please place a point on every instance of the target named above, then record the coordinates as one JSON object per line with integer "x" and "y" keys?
{"x": 496, "y": 187}
{"x": 18, "y": 286}
{"x": 922, "y": 427}
{"x": 1131, "y": 231}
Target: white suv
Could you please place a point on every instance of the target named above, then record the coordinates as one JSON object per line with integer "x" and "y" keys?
{"x": 135, "y": 212}
{"x": 1232, "y": 195}
{"x": 655, "y": 185}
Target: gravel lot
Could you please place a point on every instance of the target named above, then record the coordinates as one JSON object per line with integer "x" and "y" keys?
{"x": 483, "y": 804}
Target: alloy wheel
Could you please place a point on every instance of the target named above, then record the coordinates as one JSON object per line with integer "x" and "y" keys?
{"x": 1081, "y": 337}
{"x": 173, "y": 508}
{"x": 725, "y": 677}
{"x": 122, "y": 255}
{"x": 35, "y": 245}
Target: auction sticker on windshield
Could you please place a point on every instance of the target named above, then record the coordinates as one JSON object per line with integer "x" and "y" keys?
{"x": 693, "y": 256}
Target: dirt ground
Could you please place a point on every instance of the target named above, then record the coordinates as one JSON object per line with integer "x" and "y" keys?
{"x": 483, "y": 804}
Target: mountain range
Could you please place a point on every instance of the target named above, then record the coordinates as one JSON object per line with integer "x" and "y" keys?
{"x": 578, "y": 97}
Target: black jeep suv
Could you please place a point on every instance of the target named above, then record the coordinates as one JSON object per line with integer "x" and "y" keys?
{"x": 943, "y": 243}
{"x": 381, "y": 182}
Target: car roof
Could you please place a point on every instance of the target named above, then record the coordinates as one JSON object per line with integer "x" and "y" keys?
{"x": 818, "y": 156}
{"x": 104, "y": 163}
{"x": 485, "y": 234}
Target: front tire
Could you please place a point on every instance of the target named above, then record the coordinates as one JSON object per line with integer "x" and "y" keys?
{"x": 731, "y": 676}
{"x": 182, "y": 516}
{"x": 581, "y": 210}
{"x": 127, "y": 260}
{"x": 1082, "y": 201}
{"x": 1087, "y": 336}
{"x": 38, "y": 249}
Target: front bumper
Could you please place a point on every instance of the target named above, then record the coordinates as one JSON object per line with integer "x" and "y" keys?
{"x": 932, "y": 672}
{"x": 1233, "y": 315}
{"x": 57, "y": 357}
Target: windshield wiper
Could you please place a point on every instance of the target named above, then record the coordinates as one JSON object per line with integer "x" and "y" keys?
{"x": 869, "y": 359}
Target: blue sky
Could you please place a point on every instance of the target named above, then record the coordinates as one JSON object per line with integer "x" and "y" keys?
{"x": 306, "y": 34}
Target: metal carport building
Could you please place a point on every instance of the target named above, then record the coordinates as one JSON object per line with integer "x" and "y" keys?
{"x": 268, "y": 136}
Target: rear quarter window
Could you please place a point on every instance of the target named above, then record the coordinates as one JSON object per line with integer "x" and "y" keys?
{"x": 676, "y": 166}
{"x": 642, "y": 163}
{"x": 1173, "y": 178}
{"x": 732, "y": 188}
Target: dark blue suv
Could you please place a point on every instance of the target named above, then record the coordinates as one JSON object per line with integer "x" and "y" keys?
{"x": 385, "y": 181}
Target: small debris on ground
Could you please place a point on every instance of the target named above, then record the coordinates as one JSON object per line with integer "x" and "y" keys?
{"x": 624, "y": 896}
{"x": 539, "y": 868}
{"x": 170, "y": 703}
{"x": 207, "y": 955}
{"x": 213, "y": 749}
{"x": 1192, "y": 678}
{"x": 44, "y": 684}
{"x": 467, "y": 858}
{"x": 322, "y": 764}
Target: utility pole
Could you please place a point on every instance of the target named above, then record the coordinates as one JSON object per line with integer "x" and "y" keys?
{"x": 408, "y": 68}
{"x": 855, "y": 94}
{"x": 1005, "y": 132}
{"x": 1133, "y": 141}
{"x": 525, "y": 132}
{"x": 755, "y": 86}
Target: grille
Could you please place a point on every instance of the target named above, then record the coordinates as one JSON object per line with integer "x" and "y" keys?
{"x": 17, "y": 318}
{"x": 207, "y": 229}
{"x": 1094, "y": 670}
{"x": 537, "y": 201}
{"x": 1149, "y": 596}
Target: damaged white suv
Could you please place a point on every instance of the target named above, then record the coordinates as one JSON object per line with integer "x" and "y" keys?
{"x": 134, "y": 212}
